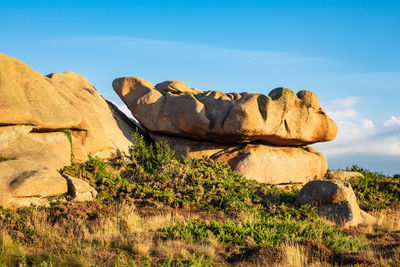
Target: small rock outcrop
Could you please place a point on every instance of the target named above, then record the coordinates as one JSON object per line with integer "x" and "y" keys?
{"x": 80, "y": 190}
{"x": 281, "y": 118}
{"x": 335, "y": 201}
{"x": 25, "y": 182}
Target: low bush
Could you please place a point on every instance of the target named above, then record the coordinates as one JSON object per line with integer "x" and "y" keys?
{"x": 375, "y": 191}
{"x": 151, "y": 176}
{"x": 270, "y": 232}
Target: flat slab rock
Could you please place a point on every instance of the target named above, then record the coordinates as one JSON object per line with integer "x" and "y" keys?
{"x": 281, "y": 118}
{"x": 263, "y": 163}
{"x": 50, "y": 148}
{"x": 25, "y": 182}
{"x": 335, "y": 201}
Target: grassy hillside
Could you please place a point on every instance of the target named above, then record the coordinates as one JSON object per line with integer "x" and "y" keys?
{"x": 153, "y": 210}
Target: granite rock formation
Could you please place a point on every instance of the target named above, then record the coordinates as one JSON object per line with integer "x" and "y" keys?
{"x": 281, "y": 118}
{"x": 262, "y": 137}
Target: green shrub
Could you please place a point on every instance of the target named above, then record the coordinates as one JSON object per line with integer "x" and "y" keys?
{"x": 269, "y": 232}
{"x": 150, "y": 156}
{"x": 152, "y": 176}
{"x": 375, "y": 190}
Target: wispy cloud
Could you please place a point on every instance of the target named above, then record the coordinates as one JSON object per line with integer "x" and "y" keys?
{"x": 342, "y": 103}
{"x": 194, "y": 50}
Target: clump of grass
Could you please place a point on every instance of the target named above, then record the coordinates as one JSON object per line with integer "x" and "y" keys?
{"x": 3, "y": 158}
{"x": 193, "y": 260}
{"x": 68, "y": 134}
{"x": 375, "y": 191}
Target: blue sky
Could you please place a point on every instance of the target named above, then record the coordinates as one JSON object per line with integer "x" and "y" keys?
{"x": 348, "y": 52}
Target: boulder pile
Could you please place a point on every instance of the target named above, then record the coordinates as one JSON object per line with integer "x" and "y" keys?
{"x": 263, "y": 137}
{"x": 48, "y": 122}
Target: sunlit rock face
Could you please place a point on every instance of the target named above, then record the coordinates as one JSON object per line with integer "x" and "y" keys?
{"x": 262, "y": 137}
{"x": 280, "y": 118}
{"x": 55, "y": 118}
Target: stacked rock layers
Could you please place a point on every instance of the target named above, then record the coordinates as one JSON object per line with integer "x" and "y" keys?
{"x": 262, "y": 137}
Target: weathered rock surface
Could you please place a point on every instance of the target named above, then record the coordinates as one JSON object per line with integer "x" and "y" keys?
{"x": 344, "y": 176}
{"x": 281, "y": 118}
{"x": 98, "y": 132}
{"x": 35, "y": 108}
{"x": 25, "y": 182}
{"x": 27, "y": 98}
{"x": 335, "y": 201}
{"x": 52, "y": 148}
{"x": 176, "y": 87}
{"x": 257, "y": 161}
{"x": 80, "y": 190}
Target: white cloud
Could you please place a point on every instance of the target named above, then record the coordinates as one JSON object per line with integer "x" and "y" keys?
{"x": 358, "y": 134}
{"x": 361, "y": 135}
{"x": 344, "y": 114}
{"x": 342, "y": 103}
{"x": 393, "y": 121}
{"x": 367, "y": 124}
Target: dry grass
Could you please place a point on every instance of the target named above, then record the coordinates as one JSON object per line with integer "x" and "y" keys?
{"x": 71, "y": 235}
{"x": 86, "y": 234}
{"x": 137, "y": 223}
{"x": 76, "y": 238}
{"x": 387, "y": 220}
{"x": 295, "y": 255}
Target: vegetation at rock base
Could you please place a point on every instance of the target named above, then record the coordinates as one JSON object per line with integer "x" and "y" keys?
{"x": 153, "y": 210}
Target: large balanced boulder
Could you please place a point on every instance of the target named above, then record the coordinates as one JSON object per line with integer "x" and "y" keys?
{"x": 25, "y": 182}
{"x": 335, "y": 201}
{"x": 44, "y": 117}
{"x": 281, "y": 118}
{"x": 263, "y": 163}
